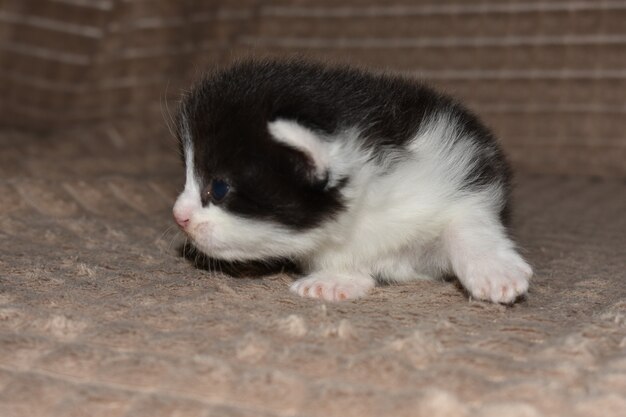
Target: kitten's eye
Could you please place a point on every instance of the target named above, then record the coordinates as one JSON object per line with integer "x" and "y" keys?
{"x": 218, "y": 191}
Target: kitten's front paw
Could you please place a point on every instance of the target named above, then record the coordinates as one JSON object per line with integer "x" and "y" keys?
{"x": 331, "y": 286}
{"x": 499, "y": 280}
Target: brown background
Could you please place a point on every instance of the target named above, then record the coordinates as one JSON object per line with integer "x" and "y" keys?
{"x": 548, "y": 76}
{"x": 100, "y": 315}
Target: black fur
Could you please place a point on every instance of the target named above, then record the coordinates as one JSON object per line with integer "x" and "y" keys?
{"x": 228, "y": 112}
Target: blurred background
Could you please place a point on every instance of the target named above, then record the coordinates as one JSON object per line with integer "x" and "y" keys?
{"x": 549, "y": 76}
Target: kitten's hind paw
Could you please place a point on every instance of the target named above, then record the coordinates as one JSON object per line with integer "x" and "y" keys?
{"x": 500, "y": 279}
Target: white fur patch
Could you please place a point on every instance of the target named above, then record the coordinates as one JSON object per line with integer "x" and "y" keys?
{"x": 188, "y": 202}
{"x": 224, "y": 235}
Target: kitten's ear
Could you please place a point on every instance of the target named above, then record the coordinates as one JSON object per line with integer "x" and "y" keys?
{"x": 305, "y": 140}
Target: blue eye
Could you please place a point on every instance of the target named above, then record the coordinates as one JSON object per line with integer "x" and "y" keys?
{"x": 219, "y": 190}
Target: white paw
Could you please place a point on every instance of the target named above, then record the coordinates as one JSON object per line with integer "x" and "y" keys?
{"x": 499, "y": 278}
{"x": 331, "y": 286}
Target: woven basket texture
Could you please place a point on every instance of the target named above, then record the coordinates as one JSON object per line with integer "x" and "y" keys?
{"x": 548, "y": 76}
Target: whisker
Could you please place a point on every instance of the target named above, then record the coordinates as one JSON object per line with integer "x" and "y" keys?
{"x": 165, "y": 232}
{"x": 172, "y": 240}
{"x": 165, "y": 112}
{"x": 219, "y": 265}
{"x": 186, "y": 253}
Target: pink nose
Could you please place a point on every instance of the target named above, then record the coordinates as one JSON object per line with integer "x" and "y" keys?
{"x": 181, "y": 220}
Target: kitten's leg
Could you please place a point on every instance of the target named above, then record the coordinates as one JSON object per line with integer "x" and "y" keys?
{"x": 485, "y": 260}
{"x": 333, "y": 286}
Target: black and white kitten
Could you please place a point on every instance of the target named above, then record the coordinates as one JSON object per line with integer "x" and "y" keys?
{"x": 356, "y": 176}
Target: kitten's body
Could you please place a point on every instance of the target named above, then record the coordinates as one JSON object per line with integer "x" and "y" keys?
{"x": 356, "y": 176}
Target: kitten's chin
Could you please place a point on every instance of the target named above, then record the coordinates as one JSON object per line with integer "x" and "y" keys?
{"x": 232, "y": 254}
{"x": 252, "y": 241}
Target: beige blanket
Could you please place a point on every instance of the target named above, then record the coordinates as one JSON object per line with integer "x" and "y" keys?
{"x": 101, "y": 316}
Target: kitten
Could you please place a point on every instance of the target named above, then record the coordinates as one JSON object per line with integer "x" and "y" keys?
{"x": 356, "y": 176}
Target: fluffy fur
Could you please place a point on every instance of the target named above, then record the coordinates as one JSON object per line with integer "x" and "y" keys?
{"x": 357, "y": 176}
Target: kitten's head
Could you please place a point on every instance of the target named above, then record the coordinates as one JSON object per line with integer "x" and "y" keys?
{"x": 257, "y": 185}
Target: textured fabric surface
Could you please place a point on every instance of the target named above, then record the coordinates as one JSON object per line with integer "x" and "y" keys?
{"x": 101, "y": 316}
{"x": 549, "y": 76}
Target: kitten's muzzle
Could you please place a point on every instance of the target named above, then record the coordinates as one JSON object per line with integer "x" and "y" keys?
{"x": 182, "y": 220}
